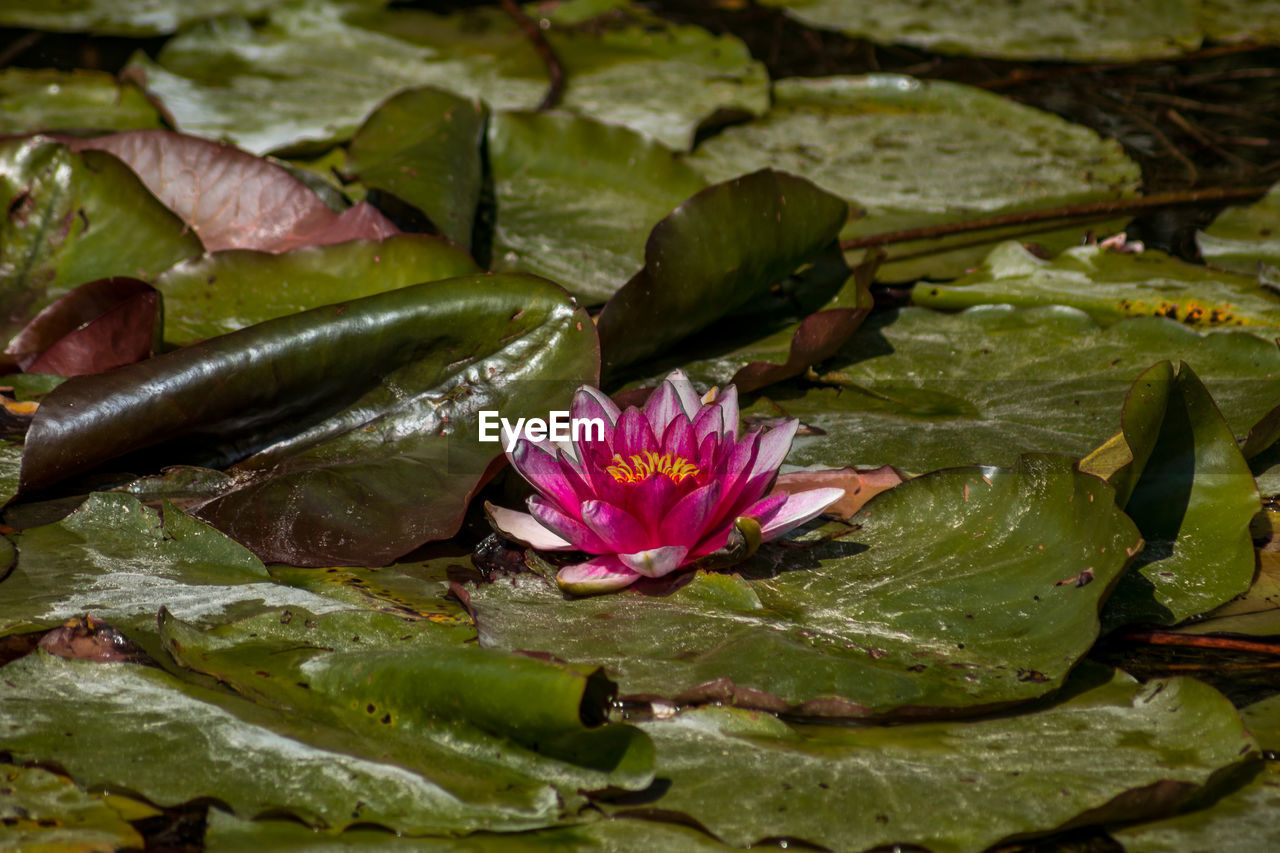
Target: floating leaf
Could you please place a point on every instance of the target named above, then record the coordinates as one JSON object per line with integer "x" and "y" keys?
{"x": 1010, "y": 29}
{"x": 303, "y": 78}
{"x": 1109, "y": 286}
{"x": 1193, "y": 497}
{"x": 225, "y": 291}
{"x": 73, "y": 218}
{"x": 735, "y": 241}
{"x": 33, "y": 100}
{"x": 1255, "y": 613}
{"x": 963, "y": 589}
{"x": 234, "y": 200}
{"x": 423, "y": 146}
{"x": 576, "y": 199}
{"x": 123, "y": 17}
{"x": 1242, "y": 237}
{"x": 921, "y": 390}
{"x": 41, "y": 811}
{"x": 1110, "y": 750}
{"x": 916, "y": 153}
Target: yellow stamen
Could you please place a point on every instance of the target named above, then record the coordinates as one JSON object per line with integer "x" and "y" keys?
{"x": 642, "y": 466}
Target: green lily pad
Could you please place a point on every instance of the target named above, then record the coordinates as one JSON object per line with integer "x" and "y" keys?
{"x": 10, "y": 465}
{"x": 1244, "y": 236}
{"x": 1109, "y": 286}
{"x": 1256, "y": 612}
{"x": 74, "y": 218}
{"x": 735, "y": 240}
{"x": 1240, "y": 20}
{"x": 221, "y": 292}
{"x": 423, "y": 146}
{"x": 921, "y": 390}
{"x": 41, "y": 811}
{"x": 1009, "y": 29}
{"x": 576, "y": 198}
{"x": 143, "y": 730}
{"x": 302, "y": 78}
{"x": 1193, "y": 497}
{"x": 1242, "y": 821}
{"x": 123, "y": 17}
{"x": 33, "y": 100}
{"x": 920, "y": 153}
{"x": 990, "y": 599}
{"x": 1111, "y": 749}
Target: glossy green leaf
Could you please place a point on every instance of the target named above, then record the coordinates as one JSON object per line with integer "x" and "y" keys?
{"x": 364, "y": 413}
{"x": 123, "y": 17}
{"x": 1244, "y": 236}
{"x": 921, "y": 390}
{"x": 45, "y": 99}
{"x": 735, "y": 240}
{"x": 1109, "y": 286}
{"x": 304, "y": 78}
{"x": 990, "y": 599}
{"x": 41, "y": 811}
{"x": 1256, "y": 612}
{"x": 1111, "y": 749}
{"x": 423, "y": 146}
{"x": 916, "y": 154}
{"x": 10, "y": 464}
{"x": 142, "y": 730}
{"x": 1009, "y": 29}
{"x": 576, "y": 198}
{"x": 1193, "y": 497}
{"x": 221, "y": 292}
{"x": 72, "y": 218}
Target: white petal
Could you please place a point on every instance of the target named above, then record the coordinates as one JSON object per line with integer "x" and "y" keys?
{"x": 799, "y": 508}
{"x": 525, "y": 529}
{"x": 599, "y": 574}
{"x": 655, "y": 562}
{"x": 689, "y": 400}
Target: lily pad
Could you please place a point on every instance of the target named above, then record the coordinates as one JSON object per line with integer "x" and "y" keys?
{"x": 1109, "y": 286}
{"x": 576, "y": 198}
{"x": 1009, "y": 29}
{"x": 73, "y": 218}
{"x": 364, "y": 414}
{"x": 123, "y": 17}
{"x": 733, "y": 241}
{"x": 917, "y": 153}
{"x": 1111, "y": 749}
{"x": 224, "y": 291}
{"x": 920, "y": 390}
{"x": 143, "y": 730}
{"x": 1244, "y": 236}
{"x": 990, "y": 600}
{"x": 1193, "y": 497}
{"x": 40, "y": 810}
{"x": 423, "y": 146}
{"x": 32, "y": 100}
{"x": 302, "y": 78}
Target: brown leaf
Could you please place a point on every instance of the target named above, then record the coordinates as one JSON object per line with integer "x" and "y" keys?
{"x": 859, "y": 486}
{"x": 232, "y": 199}
{"x": 88, "y": 638}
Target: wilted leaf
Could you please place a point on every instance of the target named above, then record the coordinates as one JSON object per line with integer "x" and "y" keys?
{"x": 225, "y": 291}
{"x": 859, "y": 486}
{"x": 576, "y": 198}
{"x": 234, "y": 200}
{"x": 1109, "y": 750}
{"x": 718, "y": 251}
{"x": 918, "y": 153}
{"x": 1243, "y": 237}
{"x": 960, "y": 590}
{"x": 1192, "y": 496}
{"x": 1109, "y": 286}
{"x": 73, "y": 218}
{"x": 1011, "y": 29}
{"x": 423, "y": 146}
{"x": 95, "y": 327}
{"x": 33, "y": 100}
{"x": 41, "y": 811}
{"x": 87, "y": 638}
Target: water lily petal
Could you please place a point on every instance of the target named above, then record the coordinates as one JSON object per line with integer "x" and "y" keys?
{"x": 525, "y": 529}
{"x": 799, "y": 508}
{"x": 616, "y": 527}
{"x": 678, "y": 439}
{"x": 690, "y": 401}
{"x": 662, "y": 406}
{"x": 600, "y": 574}
{"x": 713, "y": 541}
{"x": 566, "y": 526}
{"x": 764, "y": 509}
{"x": 634, "y": 435}
{"x": 728, "y": 405}
{"x": 591, "y": 402}
{"x": 709, "y": 421}
{"x": 774, "y": 445}
{"x": 543, "y": 471}
{"x": 655, "y": 562}
{"x": 689, "y": 519}
{"x": 651, "y": 499}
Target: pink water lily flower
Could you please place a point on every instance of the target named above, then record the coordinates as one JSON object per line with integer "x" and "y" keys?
{"x": 662, "y": 489}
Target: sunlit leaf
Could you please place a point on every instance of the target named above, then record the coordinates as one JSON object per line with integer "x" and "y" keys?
{"x": 1244, "y": 236}
{"x": 123, "y": 17}
{"x": 45, "y": 99}
{"x": 41, "y": 811}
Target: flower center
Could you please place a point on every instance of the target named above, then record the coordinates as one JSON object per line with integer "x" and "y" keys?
{"x": 642, "y": 466}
